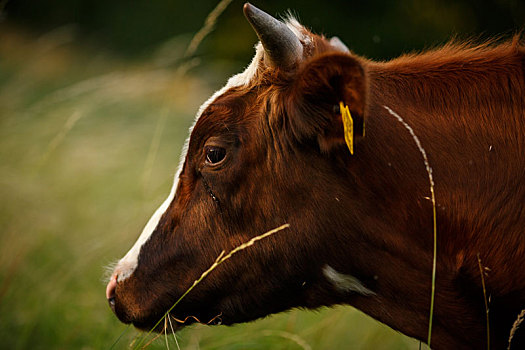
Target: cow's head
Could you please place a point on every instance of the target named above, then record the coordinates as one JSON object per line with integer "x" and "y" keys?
{"x": 265, "y": 150}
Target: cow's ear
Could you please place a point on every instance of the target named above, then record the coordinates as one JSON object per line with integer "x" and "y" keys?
{"x": 320, "y": 87}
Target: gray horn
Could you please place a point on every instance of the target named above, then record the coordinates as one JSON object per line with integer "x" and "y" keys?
{"x": 281, "y": 46}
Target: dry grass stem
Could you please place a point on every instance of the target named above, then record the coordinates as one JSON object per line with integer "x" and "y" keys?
{"x": 434, "y": 215}
{"x": 151, "y": 340}
{"x": 59, "y": 138}
{"x": 166, "y": 332}
{"x": 515, "y": 326}
{"x": 184, "y": 67}
{"x": 209, "y": 24}
{"x": 220, "y": 259}
{"x": 173, "y": 332}
{"x": 196, "y": 319}
{"x": 485, "y": 299}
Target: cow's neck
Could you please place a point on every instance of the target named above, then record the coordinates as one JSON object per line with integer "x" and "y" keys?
{"x": 400, "y": 247}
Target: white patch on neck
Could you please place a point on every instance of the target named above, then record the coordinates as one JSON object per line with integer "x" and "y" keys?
{"x": 127, "y": 265}
{"x": 345, "y": 283}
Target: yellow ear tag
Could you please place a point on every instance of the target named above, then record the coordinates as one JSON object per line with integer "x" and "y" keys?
{"x": 348, "y": 125}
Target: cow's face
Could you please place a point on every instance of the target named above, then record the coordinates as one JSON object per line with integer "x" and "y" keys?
{"x": 266, "y": 150}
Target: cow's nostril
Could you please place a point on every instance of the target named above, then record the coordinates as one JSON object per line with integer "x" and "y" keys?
{"x": 110, "y": 289}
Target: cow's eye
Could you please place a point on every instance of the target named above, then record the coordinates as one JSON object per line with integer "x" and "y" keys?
{"x": 215, "y": 155}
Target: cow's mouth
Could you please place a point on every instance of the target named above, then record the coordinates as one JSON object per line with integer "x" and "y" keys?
{"x": 163, "y": 322}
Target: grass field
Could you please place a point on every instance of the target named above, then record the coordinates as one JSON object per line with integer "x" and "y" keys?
{"x": 88, "y": 147}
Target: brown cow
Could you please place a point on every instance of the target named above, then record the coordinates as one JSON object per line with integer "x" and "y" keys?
{"x": 269, "y": 149}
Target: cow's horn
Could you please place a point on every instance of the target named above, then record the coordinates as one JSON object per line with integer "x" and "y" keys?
{"x": 281, "y": 46}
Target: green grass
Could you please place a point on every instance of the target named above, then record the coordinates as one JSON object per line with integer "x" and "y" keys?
{"x": 88, "y": 147}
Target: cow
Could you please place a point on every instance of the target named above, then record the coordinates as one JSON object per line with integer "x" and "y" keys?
{"x": 271, "y": 148}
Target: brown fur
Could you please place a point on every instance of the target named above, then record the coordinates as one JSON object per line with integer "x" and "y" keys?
{"x": 365, "y": 215}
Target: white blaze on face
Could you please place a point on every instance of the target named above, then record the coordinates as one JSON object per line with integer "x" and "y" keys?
{"x": 128, "y": 263}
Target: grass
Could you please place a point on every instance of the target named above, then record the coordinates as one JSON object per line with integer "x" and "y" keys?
{"x": 484, "y": 271}
{"x": 515, "y": 326}
{"x": 88, "y": 147}
{"x": 434, "y": 217}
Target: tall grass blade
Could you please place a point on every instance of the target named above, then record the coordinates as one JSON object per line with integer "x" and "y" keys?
{"x": 434, "y": 216}
{"x": 209, "y": 24}
{"x": 119, "y": 337}
{"x": 486, "y": 301}
{"x": 59, "y": 138}
{"x": 166, "y": 332}
{"x": 173, "y": 332}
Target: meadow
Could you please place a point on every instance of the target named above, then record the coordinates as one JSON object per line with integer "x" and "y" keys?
{"x": 89, "y": 143}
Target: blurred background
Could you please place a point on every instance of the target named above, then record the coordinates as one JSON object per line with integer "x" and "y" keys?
{"x": 96, "y": 98}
